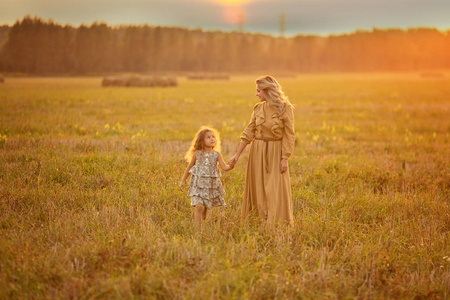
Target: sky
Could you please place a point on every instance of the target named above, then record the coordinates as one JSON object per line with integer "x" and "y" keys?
{"x": 321, "y": 17}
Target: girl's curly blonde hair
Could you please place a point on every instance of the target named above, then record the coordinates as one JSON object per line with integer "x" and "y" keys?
{"x": 197, "y": 142}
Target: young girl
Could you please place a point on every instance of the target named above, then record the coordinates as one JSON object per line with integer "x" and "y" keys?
{"x": 206, "y": 188}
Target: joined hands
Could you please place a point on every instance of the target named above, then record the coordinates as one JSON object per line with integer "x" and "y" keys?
{"x": 232, "y": 162}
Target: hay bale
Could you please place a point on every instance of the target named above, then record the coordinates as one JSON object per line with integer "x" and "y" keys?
{"x": 107, "y": 81}
{"x": 133, "y": 81}
{"x": 148, "y": 81}
{"x": 114, "y": 81}
{"x": 172, "y": 81}
{"x": 137, "y": 81}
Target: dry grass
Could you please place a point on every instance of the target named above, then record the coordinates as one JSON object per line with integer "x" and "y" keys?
{"x": 90, "y": 206}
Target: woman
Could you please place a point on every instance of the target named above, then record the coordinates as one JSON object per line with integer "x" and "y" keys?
{"x": 267, "y": 192}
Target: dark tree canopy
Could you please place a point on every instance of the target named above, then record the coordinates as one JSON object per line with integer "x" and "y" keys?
{"x": 33, "y": 45}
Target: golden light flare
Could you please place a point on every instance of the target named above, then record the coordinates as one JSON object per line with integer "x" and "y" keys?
{"x": 233, "y": 2}
{"x": 233, "y": 10}
{"x": 233, "y": 14}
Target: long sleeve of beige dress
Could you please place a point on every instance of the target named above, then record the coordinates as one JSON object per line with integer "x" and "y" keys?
{"x": 267, "y": 192}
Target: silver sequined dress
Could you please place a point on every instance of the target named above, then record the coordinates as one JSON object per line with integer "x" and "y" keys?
{"x": 205, "y": 185}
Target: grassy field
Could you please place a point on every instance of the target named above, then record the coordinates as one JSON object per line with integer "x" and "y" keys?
{"x": 90, "y": 206}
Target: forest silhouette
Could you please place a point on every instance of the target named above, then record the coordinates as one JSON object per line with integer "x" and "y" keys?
{"x": 33, "y": 45}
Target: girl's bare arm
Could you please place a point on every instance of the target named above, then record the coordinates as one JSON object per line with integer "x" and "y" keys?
{"x": 223, "y": 164}
{"x": 186, "y": 173}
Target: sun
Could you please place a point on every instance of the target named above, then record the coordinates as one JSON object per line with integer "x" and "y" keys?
{"x": 233, "y": 11}
{"x": 233, "y": 2}
{"x": 233, "y": 14}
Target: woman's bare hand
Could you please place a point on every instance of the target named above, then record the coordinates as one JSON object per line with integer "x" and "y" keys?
{"x": 233, "y": 161}
{"x": 283, "y": 165}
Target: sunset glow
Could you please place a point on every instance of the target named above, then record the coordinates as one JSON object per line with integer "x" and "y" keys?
{"x": 321, "y": 17}
{"x": 233, "y": 2}
{"x": 233, "y": 14}
{"x": 233, "y": 10}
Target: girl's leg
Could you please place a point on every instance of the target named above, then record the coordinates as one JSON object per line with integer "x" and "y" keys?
{"x": 198, "y": 216}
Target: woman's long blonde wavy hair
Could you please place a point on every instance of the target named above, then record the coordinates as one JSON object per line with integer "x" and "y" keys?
{"x": 273, "y": 93}
{"x": 198, "y": 141}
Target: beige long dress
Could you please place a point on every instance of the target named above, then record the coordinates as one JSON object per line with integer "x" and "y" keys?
{"x": 267, "y": 192}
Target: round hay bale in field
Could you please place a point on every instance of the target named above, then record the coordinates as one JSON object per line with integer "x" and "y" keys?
{"x": 165, "y": 81}
{"x": 115, "y": 81}
{"x": 121, "y": 81}
{"x": 158, "y": 81}
{"x": 134, "y": 81}
{"x": 148, "y": 81}
{"x": 172, "y": 81}
{"x": 137, "y": 81}
{"x": 107, "y": 81}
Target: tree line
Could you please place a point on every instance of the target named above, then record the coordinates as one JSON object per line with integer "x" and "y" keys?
{"x": 33, "y": 45}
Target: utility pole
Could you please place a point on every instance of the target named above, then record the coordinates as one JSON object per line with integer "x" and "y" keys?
{"x": 282, "y": 24}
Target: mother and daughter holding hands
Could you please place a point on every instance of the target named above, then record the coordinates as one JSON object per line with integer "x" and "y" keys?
{"x": 270, "y": 133}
